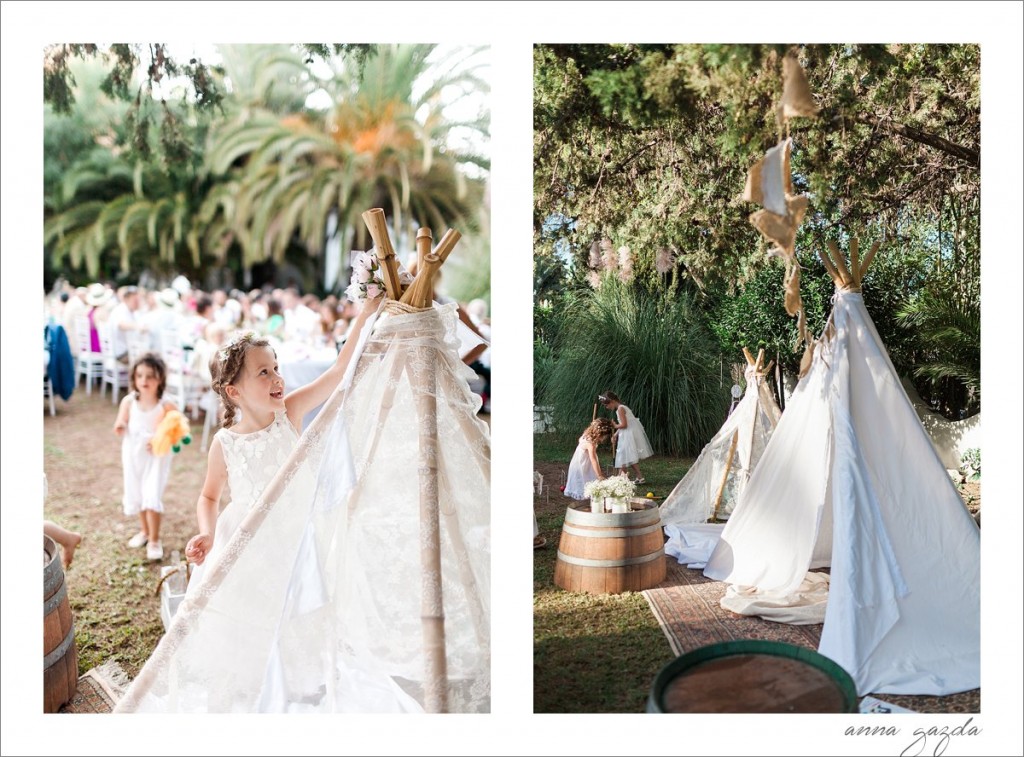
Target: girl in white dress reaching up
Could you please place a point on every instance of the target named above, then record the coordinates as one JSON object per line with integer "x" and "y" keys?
{"x": 584, "y": 466}
{"x": 246, "y": 455}
{"x": 632, "y": 444}
{"x": 145, "y": 474}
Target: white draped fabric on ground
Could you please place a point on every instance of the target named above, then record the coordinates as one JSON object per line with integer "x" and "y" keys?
{"x": 316, "y": 603}
{"x": 851, "y": 480}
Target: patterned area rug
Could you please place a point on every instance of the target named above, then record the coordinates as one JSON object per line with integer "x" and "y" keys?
{"x": 687, "y": 607}
{"x": 98, "y": 690}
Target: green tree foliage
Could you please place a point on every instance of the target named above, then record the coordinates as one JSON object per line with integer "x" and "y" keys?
{"x": 137, "y": 74}
{"x": 648, "y": 146}
{"x": 110, "y": 207}
{"x": 384, "y": 144}
{"x": 258, "y": 176}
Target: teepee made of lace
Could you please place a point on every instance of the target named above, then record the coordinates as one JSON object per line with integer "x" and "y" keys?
{"x": 360, "y": 579}
{"x": 713, "y": 484}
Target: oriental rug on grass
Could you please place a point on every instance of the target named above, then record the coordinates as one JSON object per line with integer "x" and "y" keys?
{"x": 98, "y": 690}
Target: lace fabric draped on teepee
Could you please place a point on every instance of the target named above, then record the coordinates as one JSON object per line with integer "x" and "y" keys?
{"x": 320, "y": 607}
{"x": 713, "y": 484}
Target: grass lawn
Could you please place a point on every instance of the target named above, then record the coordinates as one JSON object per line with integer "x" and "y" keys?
{"x": 591, "y": 653}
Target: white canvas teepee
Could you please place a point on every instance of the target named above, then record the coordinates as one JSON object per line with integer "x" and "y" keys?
{"x": 851, "y": 480}
{"x": 712, "y": 485}
{"x": 359, "y": 580}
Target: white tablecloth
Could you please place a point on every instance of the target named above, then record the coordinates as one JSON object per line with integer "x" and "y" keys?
{"x": 300, "y": 367}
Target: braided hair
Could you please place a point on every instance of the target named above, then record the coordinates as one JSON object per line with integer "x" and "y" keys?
{"x": 228, "y": 364}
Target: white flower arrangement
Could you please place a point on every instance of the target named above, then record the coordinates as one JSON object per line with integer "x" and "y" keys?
{"x": 368, "y": 278}
{"x": 613, "y": 486}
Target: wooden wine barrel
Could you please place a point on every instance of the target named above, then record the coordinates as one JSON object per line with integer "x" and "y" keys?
{"x": 609, "y": 553}
{"x": 752, "y": 676}
{"x": 60, "y": 657}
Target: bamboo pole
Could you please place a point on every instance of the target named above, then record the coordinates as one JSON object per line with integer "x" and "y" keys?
{"x": 829, "y": 266}
{"x": 378, "y": 227}
{"x": 855, "y": 261}
{"x": 868, "y": 258}
{"x": 420, "y": 293}
{"x": 423, "y": 377}
{"x": 725, "y": 475}
{"x": 447, "y": 244}
{"x": 424, "y": 238}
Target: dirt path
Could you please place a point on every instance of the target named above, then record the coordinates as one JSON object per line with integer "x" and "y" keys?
{"x": 112, "y": 587}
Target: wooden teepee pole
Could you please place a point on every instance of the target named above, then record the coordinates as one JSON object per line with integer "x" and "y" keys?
{"x": 422, "y": 371}
{"x": 423, "y": 377}
{"x": 423, "y": 239}
{"x": 725, "y": 474}
{"x": 378, "y": 227}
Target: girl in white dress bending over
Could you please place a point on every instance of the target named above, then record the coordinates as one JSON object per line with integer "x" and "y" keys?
{"x": 145, "y": 474}
{"x": 246, "y": 454}
{"x": 632, "y": 444}
{"x": 584, "y": 466}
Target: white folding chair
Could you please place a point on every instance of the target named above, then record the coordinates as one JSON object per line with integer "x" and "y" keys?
{"x": 210, "y": 403}
{"x": 115, "y": 372}
{"x": 174, "y": 358}
{"x": 48, "y": 393}
{"x": 138, "y": 345}
{"x": 183, "y": 386}
{"x": 87, "y": 363}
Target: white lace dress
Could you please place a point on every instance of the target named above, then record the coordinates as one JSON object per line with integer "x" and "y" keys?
{"x": 580, "y": 470}
{"x": 322, "y": 601}
{"x": 145, "y": 474}
{"x": 252, "y": 460}
{"x": 632, "y": 445}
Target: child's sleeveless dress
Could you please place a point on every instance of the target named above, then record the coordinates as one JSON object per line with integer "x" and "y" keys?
{"x": 252, "y": 460}
{"x": 580, "y": 471}
{"x": 632, "y": 445}
{"x": 145, "y": 474}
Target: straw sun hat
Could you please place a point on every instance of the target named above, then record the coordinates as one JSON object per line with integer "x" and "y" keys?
{"x": 97, "y": 294}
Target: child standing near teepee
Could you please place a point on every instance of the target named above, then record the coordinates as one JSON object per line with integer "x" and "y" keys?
{"x": 145, "y": 474}
{"x": 584, "y": 466}
{"x": 632, "y": 444}
{"x": 248, "y": 453}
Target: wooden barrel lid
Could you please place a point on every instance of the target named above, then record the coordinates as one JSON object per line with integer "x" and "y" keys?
{"x": 752, "y": 676}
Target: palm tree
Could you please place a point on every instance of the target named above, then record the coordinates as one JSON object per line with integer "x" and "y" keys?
{"x": 947, "y": 327}
{"x": 106, "y": 207}
{"x": 385, "y": 143}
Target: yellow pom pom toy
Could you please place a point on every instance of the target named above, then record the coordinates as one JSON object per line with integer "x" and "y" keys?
{"x": 172, "y": 431}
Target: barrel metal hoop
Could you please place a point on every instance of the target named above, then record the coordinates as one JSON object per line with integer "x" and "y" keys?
{"x": 610, "y": 533}
{"x": 61, "y": 649}
{"x": 56, "y": 599}
{"x": 634, "y": 518}
{"x": 52, "y": 579}
{"x": 586, "y": 563}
